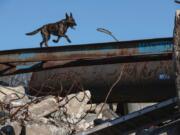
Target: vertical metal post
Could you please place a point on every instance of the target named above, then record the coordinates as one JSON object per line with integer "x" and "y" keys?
{"x": 176, "y": 55}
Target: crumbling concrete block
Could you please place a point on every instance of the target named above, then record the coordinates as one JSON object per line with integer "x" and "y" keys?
{"x": 101, "y": 107}
{"x": 13, "y": 100}
{"x": 103, "y": 110}
{"x": 4, "y": 91}
{"x": 75, "y": 104}
{"x": 90, "y": 107}
{"x": 87, "y": 122}
{"x": 8, "y": 98}
{"x": 44, "y": 107}
{"x": 19, "y": 102}
{"x": 17, "y": 127}
{"x": 46, "y": 129}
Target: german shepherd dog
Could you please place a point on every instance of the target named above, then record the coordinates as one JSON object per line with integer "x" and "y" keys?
{"x": 57, "y": 29}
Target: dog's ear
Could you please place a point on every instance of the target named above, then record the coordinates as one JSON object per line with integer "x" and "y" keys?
{"x": 67, "y": 16}
{"x": 71, "y": 15}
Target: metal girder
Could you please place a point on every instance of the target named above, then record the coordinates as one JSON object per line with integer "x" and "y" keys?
{"x": 91, "y": 51}
{"x": 37, "y": 59}
{"x": 148, "y": 116}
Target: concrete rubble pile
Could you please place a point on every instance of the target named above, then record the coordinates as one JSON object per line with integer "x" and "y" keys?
{"x": 21, "y": 114}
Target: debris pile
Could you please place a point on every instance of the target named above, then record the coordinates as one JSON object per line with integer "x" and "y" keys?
{"x": 22, "y": 114}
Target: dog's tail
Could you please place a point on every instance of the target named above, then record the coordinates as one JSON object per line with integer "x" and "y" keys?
{"x": 33, "y": 32}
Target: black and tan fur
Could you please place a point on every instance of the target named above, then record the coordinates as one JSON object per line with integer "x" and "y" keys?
{"x": 57, "y": 29}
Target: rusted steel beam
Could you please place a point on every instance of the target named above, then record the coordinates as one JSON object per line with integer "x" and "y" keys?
{"x": 88, "y": 52}
{"x": 17, "y": 68}
{"x": 177, "y": 52}
{"x": 147, "y": 81}
{"x": 30, "y": 60}
{"x": 152, "y": 115}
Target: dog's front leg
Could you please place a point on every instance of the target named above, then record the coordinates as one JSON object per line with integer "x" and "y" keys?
{"x": 67, "y": 38}
{"x": 57, "y": 40}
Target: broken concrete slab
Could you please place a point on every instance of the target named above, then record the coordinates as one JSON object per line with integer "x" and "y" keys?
{"x": 46, "y": 129}
{"x": 44, "y": 107}
{"x": 11, "y": 97}
{"x": 19, "y": 102}
{"x": 51, "y": 115}
{"x": 75, "y": 104}
{"x": 87, "y": 122}
{"x": 4, "y": 91}
{"x": 90, "y": 107}
{"x": 17, "y": 127}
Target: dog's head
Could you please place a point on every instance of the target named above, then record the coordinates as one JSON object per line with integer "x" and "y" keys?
{"x": 70, "y": 20}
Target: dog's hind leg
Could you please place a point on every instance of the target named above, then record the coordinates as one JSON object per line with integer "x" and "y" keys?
{"x": 41, "y": 43}
{"x": 46, "y": 40}
{"x": 43, "y": 36}
{"x": 57, "y": 40}
{"x": 46, "y": 36}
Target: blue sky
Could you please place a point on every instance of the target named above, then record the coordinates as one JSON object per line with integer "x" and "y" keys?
{"x": 127, "y": 19}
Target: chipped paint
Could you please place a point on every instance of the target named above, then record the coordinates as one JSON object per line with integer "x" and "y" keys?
{"x": 20, "y": 67}
{"x": 26, "y": 55}
{"x": 155, "y": 47}
{"x": 27, "y": 66}
{"x": 164, "y": 77}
